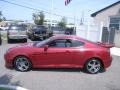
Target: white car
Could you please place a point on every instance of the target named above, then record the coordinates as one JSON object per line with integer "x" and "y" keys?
{"x": 17, "y": 32}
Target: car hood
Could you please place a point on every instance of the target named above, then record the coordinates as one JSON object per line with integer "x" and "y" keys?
{"x": 20, "y": 48}
{"x": 25, "y": 45}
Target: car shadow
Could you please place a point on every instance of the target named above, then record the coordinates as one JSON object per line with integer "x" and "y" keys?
{"x": 6, "y": 80}
{"x": 59, "y": 69}
{"x": 63, "y": 70}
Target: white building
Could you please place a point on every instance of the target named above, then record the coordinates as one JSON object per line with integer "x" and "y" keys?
{"x": 48, "y": 23}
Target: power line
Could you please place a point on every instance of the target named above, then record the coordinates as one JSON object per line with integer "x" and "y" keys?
{"x": 32, "y": 5}
{"x": 33, "y": 1}
{"x": 36, "y": 9}
{"x": 55, "y": 9}
{"x": 23, "y": 6}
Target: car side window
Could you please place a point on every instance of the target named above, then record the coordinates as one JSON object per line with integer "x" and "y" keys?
{"x": 57, "y": 43}
{"x": 65, "y": 43}
{"x": 68, "y": 43}
{"x": 77, "y": 43}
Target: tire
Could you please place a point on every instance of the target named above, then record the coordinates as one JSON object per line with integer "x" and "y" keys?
{"x": 32, "y": 38}
{"x": 0, "y": 41}
{"x": 44, "y": 38}
{"x": 22, "y": 64}
{"x": 28, "y": 36}
{"x": 25, "y": 40}
{"x": 9, "y": 40}
{"x": 93, "y": 66}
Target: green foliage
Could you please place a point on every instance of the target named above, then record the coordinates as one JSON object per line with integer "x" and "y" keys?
{"x": 38, "y": 18}
{"x": 62, "y": 23}
{"x": 2, "y": 18}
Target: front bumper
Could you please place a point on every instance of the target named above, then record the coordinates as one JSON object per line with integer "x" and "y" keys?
{"x": 8, "y": 61}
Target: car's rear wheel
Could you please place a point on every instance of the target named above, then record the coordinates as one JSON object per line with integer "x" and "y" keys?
{"x": 93, "y": 66}
{"x": 9, "y": 40}
{"x": 25, "y": 40}
{"x": 44, "y": 37}
{"x": 22, "y": 64}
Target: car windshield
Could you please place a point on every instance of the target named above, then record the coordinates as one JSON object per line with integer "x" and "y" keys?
{"x": 40, "y": 44}
{"x": 39, "y": 27}
{"x": 58, "y": 32}
{"x": 17, "y": 28}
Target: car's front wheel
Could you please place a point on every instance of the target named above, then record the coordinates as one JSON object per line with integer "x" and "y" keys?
{"x": 32, "y": 38}
{"x": 22, "y": 64}
{"x": 93, "y": 66}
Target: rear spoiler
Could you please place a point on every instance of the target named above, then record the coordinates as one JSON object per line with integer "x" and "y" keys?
{"x": 106, "y": 45}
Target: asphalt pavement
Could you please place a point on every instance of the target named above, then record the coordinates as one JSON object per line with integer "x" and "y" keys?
{"x": 60, "y": 79}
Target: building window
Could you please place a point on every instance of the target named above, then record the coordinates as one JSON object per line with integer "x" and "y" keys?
{"x": 115, "y": 22}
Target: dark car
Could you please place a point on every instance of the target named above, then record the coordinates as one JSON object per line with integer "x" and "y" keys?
{"x": 69, "y": 31}
{"x": 58, "y": 31}
{"x": 38, "y": 32}
{"x": 60, "y": 52}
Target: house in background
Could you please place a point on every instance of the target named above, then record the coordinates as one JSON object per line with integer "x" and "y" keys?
{"x": 110, "y": 17}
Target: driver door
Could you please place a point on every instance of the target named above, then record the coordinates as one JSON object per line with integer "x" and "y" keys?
{"x": 57, "y": 55}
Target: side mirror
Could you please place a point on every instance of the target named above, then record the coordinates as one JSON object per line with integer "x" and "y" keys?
{"x": 45, "y": 47}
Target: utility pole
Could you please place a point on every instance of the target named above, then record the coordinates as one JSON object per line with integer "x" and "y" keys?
{"x": 51, "y": 14}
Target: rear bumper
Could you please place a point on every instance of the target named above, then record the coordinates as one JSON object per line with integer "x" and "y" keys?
{"x": 108, "y": 62}
{"x": 18, "y": 37}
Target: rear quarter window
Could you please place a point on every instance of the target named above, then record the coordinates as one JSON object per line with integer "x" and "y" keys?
{"x": 77, "y": 43}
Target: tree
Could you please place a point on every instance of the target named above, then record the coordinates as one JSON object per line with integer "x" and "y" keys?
{"x": 2, "y": 18}
{"x": 38, "y": 18}
{"x": 63, "y": 22}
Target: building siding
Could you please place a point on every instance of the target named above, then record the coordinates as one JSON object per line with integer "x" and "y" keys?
{"x": 104, "y": 15}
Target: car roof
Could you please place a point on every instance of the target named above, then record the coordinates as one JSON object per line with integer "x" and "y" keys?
{"x": 71, "y": 37}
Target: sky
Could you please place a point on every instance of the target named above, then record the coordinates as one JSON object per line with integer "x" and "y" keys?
{"x": 76, "y": 9}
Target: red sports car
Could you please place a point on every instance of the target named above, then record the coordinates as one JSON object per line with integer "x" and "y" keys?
{"x": 64, "y": 51}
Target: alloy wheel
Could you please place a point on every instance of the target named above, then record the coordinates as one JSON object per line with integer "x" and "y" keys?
{"x": 22, "y": 64}
{"x": 93, "y": 66}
